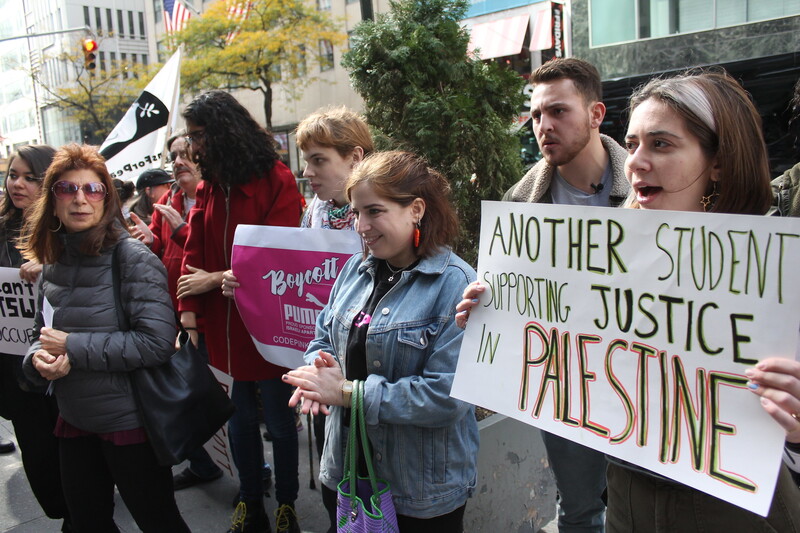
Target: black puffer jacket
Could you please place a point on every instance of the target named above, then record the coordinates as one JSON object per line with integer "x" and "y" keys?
{"x": 96, "y": 395}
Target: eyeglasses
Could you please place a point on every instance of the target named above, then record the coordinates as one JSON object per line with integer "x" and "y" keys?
{"x": 66, "y": 190}
{"x": 192, "y": 136}
{"x": 183, "y": 154}
{"x": 30, "y": 178}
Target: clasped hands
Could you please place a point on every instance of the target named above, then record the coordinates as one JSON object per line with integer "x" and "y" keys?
{"x": 318, "y": 385}
{"x": 49, "y": 366}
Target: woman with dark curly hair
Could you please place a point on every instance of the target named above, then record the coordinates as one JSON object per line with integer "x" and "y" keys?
{"x": 32, "y": 413}
{"x": 93, "y": 274}
{"x": 244, "y": 182}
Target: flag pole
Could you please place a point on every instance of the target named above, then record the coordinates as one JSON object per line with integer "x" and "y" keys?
{"x": 172, "y": 110}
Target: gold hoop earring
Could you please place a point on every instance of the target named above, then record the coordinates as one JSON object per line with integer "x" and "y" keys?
{"x": 60, "y": 225}
{"x": 709, "y": 201}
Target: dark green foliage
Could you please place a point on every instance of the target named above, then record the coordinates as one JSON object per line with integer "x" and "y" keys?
{"x": 424, "y": 94}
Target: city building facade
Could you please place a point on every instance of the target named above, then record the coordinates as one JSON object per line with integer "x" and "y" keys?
{"x": 124, "y": 35}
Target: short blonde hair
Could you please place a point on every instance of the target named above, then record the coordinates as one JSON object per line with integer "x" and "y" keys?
{"x": 339, "y": 128}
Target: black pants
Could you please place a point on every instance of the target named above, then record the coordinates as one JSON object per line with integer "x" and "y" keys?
{"x": 33, "y": 422}
{"x": 452, "y": 522}
{"x": 90, "y": 467}
{"x": 33, "y": 416}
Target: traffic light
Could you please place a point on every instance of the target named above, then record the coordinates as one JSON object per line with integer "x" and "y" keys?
{"x": 89, "y": 57}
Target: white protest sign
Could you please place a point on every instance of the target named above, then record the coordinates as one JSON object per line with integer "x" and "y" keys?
{"x": 286, "y": 276}
{"x": 629, "y": 331}
{"x": 17, "y": 311}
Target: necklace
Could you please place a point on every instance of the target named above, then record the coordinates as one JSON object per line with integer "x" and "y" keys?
{"x": 393, "y": 271}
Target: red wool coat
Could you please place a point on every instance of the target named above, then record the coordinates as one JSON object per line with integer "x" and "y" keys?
{"x": 273, "y": 200}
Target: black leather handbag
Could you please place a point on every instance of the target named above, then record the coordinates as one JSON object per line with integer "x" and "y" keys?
{"x": 181, "y": 402}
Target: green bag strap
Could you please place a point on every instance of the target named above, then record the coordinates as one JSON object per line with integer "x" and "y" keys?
{"x": 351, "y": 453}
{"x": 362, "y": 425}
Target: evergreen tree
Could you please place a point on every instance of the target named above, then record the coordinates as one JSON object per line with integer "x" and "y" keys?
{"x": 424, "y": 93}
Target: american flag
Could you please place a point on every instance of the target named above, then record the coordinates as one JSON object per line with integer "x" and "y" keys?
{"x": 237, "y": 11}
{"x": 176, "y": 15}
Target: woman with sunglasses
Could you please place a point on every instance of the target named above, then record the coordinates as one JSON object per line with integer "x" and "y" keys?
{"x": 389, "y": 322}
{"x": 32, "y": 413}
{"x": 86, "y": 355}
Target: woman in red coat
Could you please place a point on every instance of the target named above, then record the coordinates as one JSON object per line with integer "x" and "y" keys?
{"x": 243, "y": 183}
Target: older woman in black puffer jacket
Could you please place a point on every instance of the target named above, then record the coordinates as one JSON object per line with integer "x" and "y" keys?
{"x": 76, "y": 232}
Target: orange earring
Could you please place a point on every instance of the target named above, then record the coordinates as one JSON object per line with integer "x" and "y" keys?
{"x": 416, "y": 236}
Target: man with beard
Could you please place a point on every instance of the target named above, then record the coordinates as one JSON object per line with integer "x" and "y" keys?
{"x": 580, "y": 166}
{"x": 166, "y": 237}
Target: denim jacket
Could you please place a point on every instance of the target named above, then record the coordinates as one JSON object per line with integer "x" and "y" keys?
{"x": 424, "y": 442}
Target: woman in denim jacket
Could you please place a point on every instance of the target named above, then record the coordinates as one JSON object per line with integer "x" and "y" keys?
{"x": 389, "y": 322}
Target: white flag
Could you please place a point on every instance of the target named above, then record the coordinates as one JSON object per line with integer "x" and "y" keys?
{"x": 136, "y": 143}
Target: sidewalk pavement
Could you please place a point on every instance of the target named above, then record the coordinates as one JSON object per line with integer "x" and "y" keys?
{"x": 205, "y": 508}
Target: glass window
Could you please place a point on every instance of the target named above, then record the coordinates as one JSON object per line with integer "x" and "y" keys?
{"x": 120, "y": 25}
{"x": 773, "y": 9}
{"x": 98, "y": 17}
{"x": 109, "y": 21}
{"x": 324, "y": 5}
{"x": 141, "y": 26}
{"x": 144, "y": 59}
{"x": 158, "y": 9}
{"x": 612, "y": 21}
{"x": 615, "y": 21}
{"x": 325, "y": 55}
{"x": 695, "y": 15}
{"x": 130, "y": 24}
{"x": 102, "y": 61}
{"x": 86, "y": 19}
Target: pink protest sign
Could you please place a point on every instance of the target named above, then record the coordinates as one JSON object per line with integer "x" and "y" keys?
{"x": 286, "y": 276}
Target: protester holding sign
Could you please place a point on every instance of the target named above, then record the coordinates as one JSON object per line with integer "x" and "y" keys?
{"x": 695, "y": 144}
{"x": 579, "y": 166}
{"x": 85, "y": 354}
{"x": 389, "y": 322}
{"x": 32, "y": 413}
{"x": 244, "y": 182}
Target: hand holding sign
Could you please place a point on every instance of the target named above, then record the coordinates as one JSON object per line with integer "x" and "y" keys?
{"x": 777, "y": 381}
{"x": 229, "y": 283}
{"x": 30, "y": 270}
{"x": 471, "y": 299}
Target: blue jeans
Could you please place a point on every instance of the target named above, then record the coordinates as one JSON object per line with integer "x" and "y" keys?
{"x": 581, "y": 479}
{"x": 247, "y": 445}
